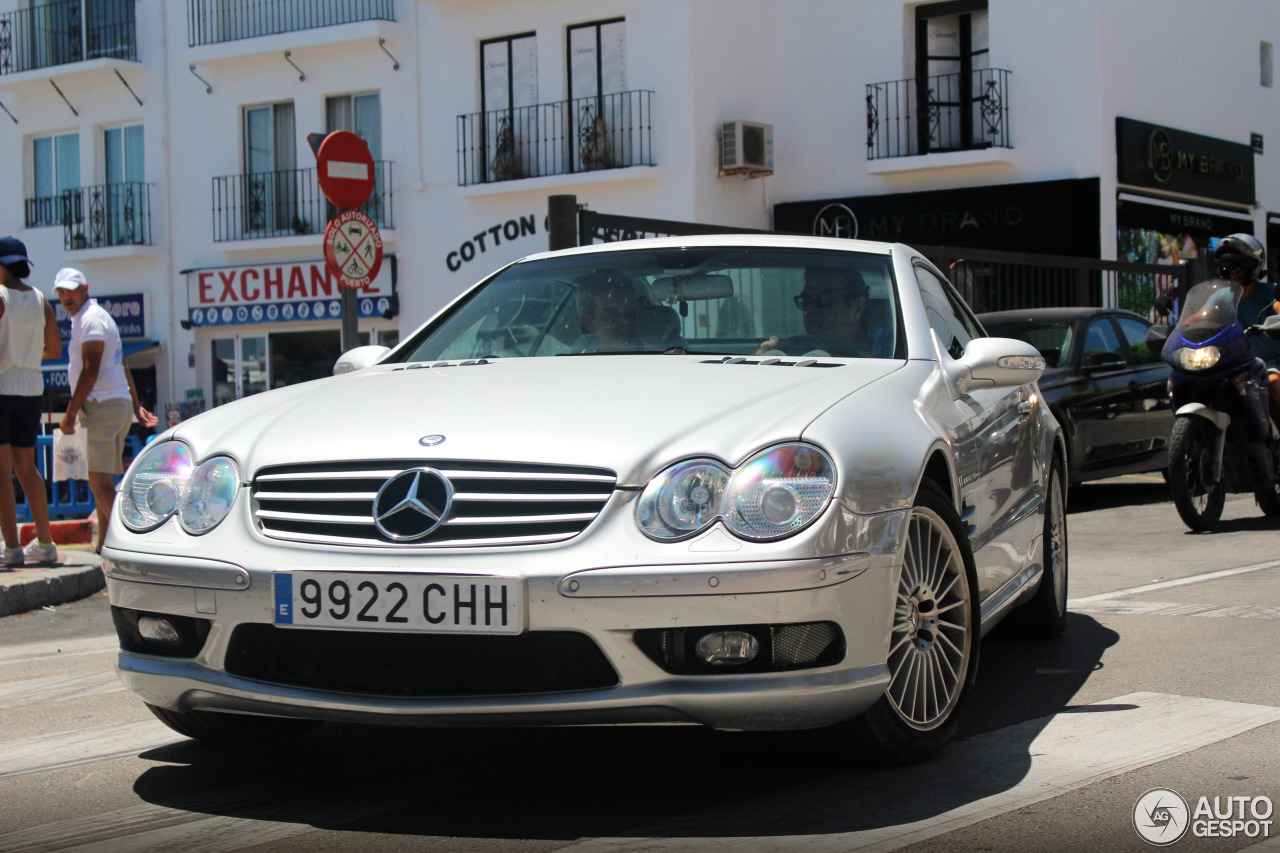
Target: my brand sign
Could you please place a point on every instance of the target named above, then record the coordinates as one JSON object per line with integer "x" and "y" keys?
{"x": 1164, "y": 158}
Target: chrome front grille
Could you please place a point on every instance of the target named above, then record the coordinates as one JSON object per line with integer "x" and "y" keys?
{"x": 493, "y": 503}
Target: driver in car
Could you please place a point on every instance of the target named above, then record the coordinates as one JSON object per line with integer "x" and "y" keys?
{"x": 834, "y": 303}
{"x": 609, "y": 306}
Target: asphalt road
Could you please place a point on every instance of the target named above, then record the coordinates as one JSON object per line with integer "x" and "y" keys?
{"x": 1167, "y": 679}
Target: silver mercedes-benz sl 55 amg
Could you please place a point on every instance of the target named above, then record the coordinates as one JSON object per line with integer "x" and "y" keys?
{"x": 748, "y": 482}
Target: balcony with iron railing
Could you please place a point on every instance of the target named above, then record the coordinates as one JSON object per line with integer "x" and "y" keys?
{"x": 66, "y": 31}
{"x": 579, "y": 135}
{"x": 97, "y": 217}
{"x": 948, "y": 112}
{"x": 287, "y": 203}
{"x": 217, "y": 21}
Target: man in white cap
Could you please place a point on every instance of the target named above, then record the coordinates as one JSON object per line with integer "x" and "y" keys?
{"x": 102, "y": 390}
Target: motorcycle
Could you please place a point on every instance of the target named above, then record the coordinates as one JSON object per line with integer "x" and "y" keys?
{"x": 1223, "y": 438}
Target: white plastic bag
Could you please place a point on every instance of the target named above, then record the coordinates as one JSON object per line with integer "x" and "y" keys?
{"x": 70, "y": 455}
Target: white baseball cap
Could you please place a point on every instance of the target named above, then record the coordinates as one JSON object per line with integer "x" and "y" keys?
{"x": 68, "y": 279}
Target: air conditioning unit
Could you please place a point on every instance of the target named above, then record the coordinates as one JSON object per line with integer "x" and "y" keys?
{"x": 746, "y": 146}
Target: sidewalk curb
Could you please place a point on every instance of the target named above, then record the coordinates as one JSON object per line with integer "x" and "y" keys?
{"x": 47, "y": 587}
{"x": 74, "y": 532}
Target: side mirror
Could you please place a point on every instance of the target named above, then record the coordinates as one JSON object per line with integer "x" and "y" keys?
{"x": 1096, "y": 362}
{"x": 1156, "y": 337}
{"x": 998, "y": 363}
{"x": 358, "y": 359}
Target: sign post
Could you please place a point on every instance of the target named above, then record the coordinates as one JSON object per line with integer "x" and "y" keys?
{"x": 352, "y": 244}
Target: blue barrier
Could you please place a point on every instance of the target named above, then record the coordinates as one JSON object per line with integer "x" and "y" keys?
{"x": 68, "y": 498}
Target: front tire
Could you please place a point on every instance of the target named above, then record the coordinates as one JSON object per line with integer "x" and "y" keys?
{"x": 232, "y": 729}
{"x": 1191, "y": 450}
{"x": 933, "y": 644}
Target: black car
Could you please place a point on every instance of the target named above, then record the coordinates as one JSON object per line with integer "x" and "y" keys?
{"x": 1106, "y": 388}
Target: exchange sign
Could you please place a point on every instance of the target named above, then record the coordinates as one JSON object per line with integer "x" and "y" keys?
{"x": 353, "y": 249}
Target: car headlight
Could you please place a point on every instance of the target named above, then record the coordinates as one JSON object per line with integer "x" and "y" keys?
{"x": 153, "y": 485}
{"x": 1192, "y": 358}
{"x": 209, "y": 494}
{"x": 164, "y": 481}
{"x": 773, "y": 494}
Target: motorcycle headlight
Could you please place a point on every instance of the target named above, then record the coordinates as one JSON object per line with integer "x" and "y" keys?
{"x": 1192, "y": 358}
{"x": 210, "y": 492}
{"x": 773, "y": 494}
{"x": 153, "y": 485}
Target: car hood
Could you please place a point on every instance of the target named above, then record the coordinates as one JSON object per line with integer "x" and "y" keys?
{"x": 630, "y": 414}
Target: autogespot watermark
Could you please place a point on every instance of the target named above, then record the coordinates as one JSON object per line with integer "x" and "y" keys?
{"x": 1161, "y": 816}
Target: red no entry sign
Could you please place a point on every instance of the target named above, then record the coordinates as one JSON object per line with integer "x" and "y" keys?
{"x": 353, "y": 248}
{"x": 344, "y": 168}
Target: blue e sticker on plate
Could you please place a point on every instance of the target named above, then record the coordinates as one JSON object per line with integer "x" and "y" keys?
{"x": 284, "y": 599}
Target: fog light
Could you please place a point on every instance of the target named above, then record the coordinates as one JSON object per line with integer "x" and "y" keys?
{"x": 727, "y": 648}
{"x": 158, "y": 630}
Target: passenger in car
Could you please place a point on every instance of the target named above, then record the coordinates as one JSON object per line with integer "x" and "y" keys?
{"x": 617, "y": 318}
{"x": 834, "y": 307}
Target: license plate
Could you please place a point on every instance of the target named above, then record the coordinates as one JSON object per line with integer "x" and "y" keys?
{"x": 460, "y": 604}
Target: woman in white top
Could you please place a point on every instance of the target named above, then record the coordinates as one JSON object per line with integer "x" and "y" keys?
{"x": 28, "y": 333}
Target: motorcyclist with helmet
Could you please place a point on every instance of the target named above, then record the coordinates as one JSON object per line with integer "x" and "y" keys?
{"x": 1242, "y": 259}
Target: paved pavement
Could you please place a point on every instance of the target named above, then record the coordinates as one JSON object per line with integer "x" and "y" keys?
{"x": 76, "y": 574}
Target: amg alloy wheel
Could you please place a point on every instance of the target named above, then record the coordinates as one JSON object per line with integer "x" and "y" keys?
{"x": 933, "y": 648}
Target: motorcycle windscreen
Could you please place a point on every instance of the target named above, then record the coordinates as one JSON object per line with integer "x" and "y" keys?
{"x": 1211, "y": 307}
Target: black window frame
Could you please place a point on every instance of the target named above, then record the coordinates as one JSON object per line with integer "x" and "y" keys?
{"x": 568, "y": 54}
{"x": 509, "y": 39}
{"x": 964, "y": 101}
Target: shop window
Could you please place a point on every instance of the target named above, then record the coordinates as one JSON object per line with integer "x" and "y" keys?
{"x": 508, "y": 104}
{"x": 55, "y": 163}
{"x": 239, "y": 367}
{"x": 270, "y": 165}
{"x": 303, "y": 356}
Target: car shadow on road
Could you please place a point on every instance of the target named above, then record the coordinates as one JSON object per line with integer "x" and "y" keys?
{"x": 672, "y": 782}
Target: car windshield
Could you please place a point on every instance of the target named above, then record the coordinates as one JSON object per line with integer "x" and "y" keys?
{"x": 1053, "y": 339}
{"x": 720, "y": 301}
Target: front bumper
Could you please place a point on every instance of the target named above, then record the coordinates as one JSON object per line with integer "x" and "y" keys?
{"x": 608, "y": 606}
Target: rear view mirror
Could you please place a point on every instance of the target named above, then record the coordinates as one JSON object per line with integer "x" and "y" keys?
{"x": 686, "y": 288}
{"x": 358, "y": 359}
{"x": 998, "y": 363}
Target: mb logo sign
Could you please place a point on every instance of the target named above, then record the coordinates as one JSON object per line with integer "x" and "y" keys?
{"x": 836, "y": 220}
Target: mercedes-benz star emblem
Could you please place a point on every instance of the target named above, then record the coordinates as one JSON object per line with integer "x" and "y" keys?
{"x": 412, "y": 504}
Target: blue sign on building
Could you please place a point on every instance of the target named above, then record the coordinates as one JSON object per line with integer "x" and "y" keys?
{"x": 128, "y": 310}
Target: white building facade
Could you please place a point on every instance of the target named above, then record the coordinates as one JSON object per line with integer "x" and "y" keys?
{"x": 162, "y": 147}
